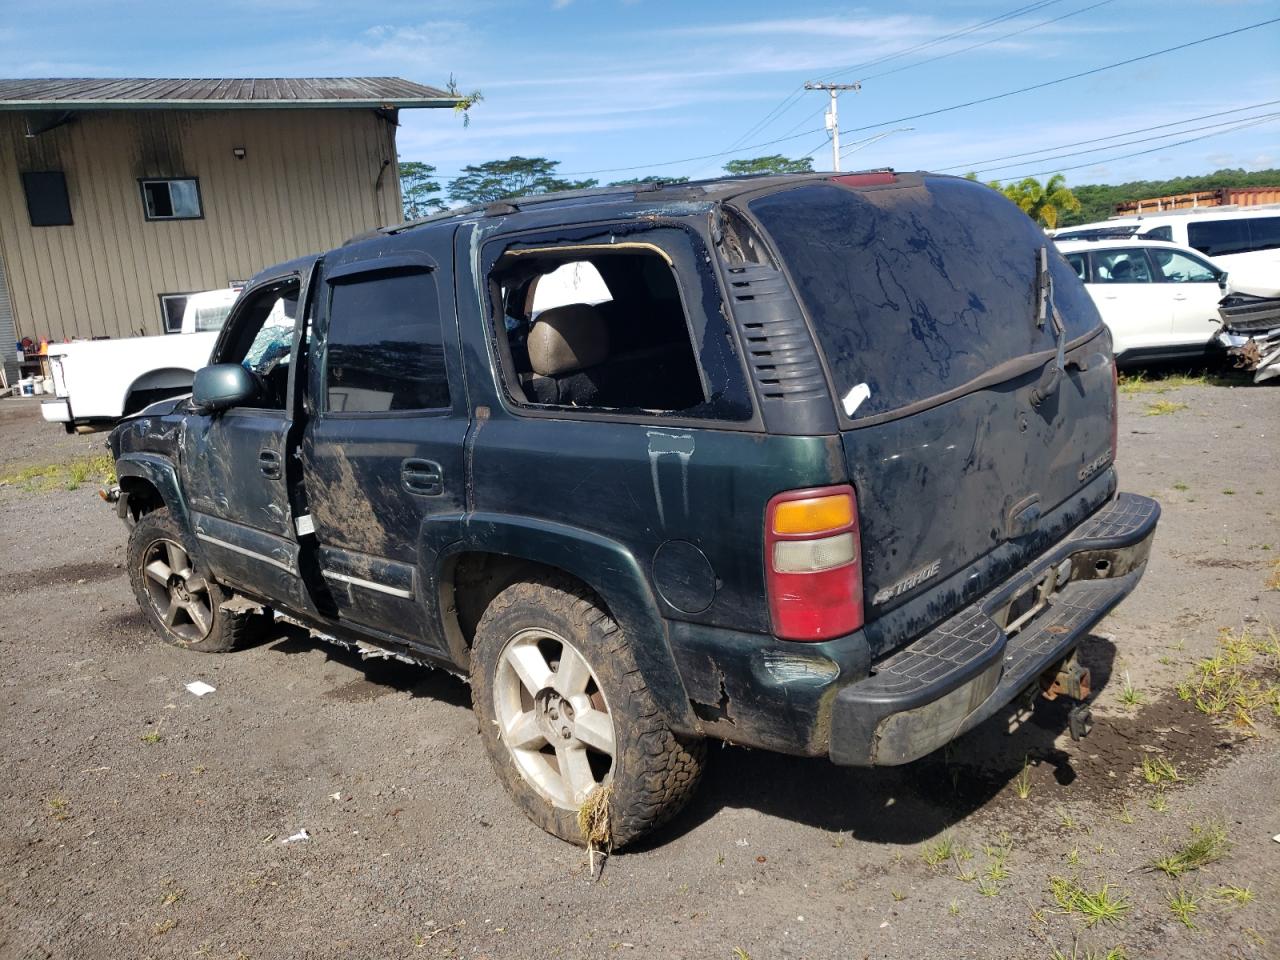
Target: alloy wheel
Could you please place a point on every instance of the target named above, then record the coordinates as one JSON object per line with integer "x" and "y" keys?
{"x": 553, "y": 717}
{"x": 179, "y": 596}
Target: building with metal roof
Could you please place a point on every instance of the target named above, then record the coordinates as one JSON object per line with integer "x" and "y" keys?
{"x": 120, "y": 197}
{"x": 221, "y": 93}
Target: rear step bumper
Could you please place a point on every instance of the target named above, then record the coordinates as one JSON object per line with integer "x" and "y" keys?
{"x": 969, "y": 668}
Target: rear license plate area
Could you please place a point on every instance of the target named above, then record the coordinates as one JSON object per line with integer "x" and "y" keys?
{"x": 1026, "y": 604}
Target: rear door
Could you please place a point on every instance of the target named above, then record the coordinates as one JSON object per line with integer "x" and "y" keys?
{"x": 923, "y": 299}
{"x": 383, "y": 447}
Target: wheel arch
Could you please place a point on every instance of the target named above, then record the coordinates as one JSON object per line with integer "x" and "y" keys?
{"x": 176, "y": 379}
{"x": 155, "y": 481}
{"x": 495, "y": 551}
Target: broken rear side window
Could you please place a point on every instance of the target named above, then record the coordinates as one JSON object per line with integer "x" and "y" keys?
{"x": 915, "y": 291}
{"x": 601, "y": 324}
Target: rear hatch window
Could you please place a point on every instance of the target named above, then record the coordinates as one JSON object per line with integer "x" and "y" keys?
{"x": 918, "y": 288}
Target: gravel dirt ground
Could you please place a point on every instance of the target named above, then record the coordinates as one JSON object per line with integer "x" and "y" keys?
{"x": 142, "y": 821}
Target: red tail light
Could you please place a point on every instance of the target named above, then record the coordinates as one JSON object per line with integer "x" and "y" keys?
{"x": 813, "y": 563}
{"x": 870, "y": 178}
{"x": 1115, "y": 411}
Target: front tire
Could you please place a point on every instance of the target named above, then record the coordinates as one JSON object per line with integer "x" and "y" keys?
{"x": 180, "y": 601}
{"x": 563, "y": 711}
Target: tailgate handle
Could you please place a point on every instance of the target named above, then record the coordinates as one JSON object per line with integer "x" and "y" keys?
{"x": 1023, "y": 517}
{"x": 424, "y": 477}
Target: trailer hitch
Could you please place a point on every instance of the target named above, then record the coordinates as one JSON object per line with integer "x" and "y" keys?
{"x": 1070, "y": 679}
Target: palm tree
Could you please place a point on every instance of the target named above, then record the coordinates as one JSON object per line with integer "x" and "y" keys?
{"x": 1043, "y": 202}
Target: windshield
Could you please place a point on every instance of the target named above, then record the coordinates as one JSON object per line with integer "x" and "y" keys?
{"x": 917, "y": 290}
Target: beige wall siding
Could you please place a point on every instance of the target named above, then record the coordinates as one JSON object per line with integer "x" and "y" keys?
{"x": 309, "y": 181}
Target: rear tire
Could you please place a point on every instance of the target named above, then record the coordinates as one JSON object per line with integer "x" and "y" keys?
{"x": 178, "y": 598}
{"x": 563, "y": 710}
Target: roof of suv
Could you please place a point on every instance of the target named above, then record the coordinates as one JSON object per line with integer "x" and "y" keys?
{"x": 709, "y": 190}
{"x": 1128, "y": 243}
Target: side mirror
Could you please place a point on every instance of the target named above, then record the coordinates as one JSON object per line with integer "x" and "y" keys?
{"x": 1222, "y": 281}
{"x": 222, "y": 386}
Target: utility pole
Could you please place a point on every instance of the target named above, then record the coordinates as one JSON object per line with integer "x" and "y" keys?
{"x": 833, "y": 116}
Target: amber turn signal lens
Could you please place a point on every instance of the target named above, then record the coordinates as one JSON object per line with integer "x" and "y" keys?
{"x": 813, "y": 515}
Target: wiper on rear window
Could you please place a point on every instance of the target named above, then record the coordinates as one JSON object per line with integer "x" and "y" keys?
{"x": 1046, "y": 309}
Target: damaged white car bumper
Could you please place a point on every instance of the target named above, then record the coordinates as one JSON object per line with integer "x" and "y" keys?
{"x": 1250, "y": 331}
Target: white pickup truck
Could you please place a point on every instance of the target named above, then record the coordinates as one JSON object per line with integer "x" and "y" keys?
{"x": 96, "y": 382}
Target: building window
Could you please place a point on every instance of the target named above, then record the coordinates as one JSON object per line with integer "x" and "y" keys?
{"x": 172, "y": 307}
{"x": 171, "y": 199}
{"x": 47, "y": 202}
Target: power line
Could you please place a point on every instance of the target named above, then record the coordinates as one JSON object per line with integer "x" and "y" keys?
{"x": 796, "y": 95}
{"x": 940, "y": 110}
{"x": 1009, "y": 15}
{"x": 1074, "y": 76}
{"x": 1140, "y": 153}
{"x": 984, "y": 43}
{"x": 978, "y": 164}
{"x": 1130, "y": 143}
{"x": 943, "y": 56}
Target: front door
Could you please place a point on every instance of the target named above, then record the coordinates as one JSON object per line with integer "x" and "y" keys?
{"x": 234, "y": 462}
{"x": 1134, "y": 306}
{"x": 1195, "y": 295}
{"x": 383, "y": 449}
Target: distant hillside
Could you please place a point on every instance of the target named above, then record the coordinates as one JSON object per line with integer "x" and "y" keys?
{"x": 1097, "y": 200}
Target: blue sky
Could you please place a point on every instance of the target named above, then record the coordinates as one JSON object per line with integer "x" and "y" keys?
{"x": 603, "y": 85}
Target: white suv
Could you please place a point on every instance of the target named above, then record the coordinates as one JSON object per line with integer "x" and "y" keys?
{"x": 1159, "y": 300}
{"x": 1238, "y": 240}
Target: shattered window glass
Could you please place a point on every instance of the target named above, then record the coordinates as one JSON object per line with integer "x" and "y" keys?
{"x": 271, "y": 346}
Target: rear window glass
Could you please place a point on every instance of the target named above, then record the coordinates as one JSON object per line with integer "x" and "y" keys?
{"x": 917, "y": 290}
{"x": 1264, "y": 233}
{"x": 1217, "y": 238}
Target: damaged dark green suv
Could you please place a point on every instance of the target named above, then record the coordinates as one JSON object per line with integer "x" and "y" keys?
{"x": 819, "y": 464}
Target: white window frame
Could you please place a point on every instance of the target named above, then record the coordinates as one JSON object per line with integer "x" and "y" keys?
{"x": 149, "y": 215}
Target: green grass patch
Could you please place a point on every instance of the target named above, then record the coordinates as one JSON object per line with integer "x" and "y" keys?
{"x": 1157, "y": 382}
{"x": 1156, "y": 770}
{"x": 1144, "y": 382}
{"x": 99, "y": 468}
{"x": 1159, "y": 408}
{"x": 1240, "y": 683}
{"x": 1207, "y": 844}
{"x": 1106, "y": 904}
{"x": 1233, "y": 895}
{"x": 939, "y": 852}
{"x": 1184, "y": 906}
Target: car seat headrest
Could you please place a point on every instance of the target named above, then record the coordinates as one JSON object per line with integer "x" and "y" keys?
{"x": 567, "y": 339}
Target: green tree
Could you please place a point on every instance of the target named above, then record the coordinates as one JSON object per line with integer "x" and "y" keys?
{"x": 513, "y": 177}
{"x": 419, "y": 190}
{"x": 776, "y": 163}
{"x": 1098, "y": 200}
{"x": 634, "y": 181}
{"x": 1045, "y": 202}
{"x": 465, "y": 100}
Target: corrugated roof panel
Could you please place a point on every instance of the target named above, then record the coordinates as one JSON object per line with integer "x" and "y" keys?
{"x": 224, "y": 92}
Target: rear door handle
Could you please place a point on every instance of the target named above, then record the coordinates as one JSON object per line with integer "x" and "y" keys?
{"x": 423, "y": 477}
{"x": 269, "y": 464}
{"x": 1179, "y": 296}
